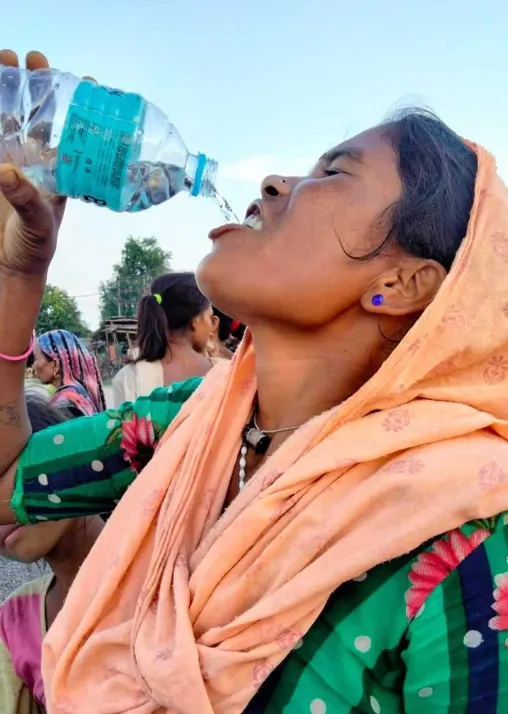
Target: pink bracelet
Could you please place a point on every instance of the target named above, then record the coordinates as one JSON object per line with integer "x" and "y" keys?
{"x": 22, "y": 357}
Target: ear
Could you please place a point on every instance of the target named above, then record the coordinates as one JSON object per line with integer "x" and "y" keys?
{"x": 215, "y": 325}
{"x": 405, "y": 289}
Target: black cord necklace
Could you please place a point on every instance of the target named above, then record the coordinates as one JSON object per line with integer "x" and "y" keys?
{"x": 257, "y": 439}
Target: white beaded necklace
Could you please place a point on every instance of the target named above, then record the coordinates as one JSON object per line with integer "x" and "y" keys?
{"x": 259, "y": 440}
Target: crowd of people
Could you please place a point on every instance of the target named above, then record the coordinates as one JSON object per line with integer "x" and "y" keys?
{"x": 319, "y": 524}
{"x": 180, "y": 336}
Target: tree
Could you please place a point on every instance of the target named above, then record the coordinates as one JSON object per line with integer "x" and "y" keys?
{"x": 60, "y": 311}
{"x": 142, "y": 260}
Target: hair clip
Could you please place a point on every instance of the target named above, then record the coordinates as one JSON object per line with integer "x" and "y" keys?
{"x": 158, "y": 298}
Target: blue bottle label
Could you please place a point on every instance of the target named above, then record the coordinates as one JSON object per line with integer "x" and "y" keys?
{"x": 102, "y": 136}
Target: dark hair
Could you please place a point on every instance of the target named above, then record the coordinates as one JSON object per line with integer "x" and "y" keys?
{"x": 180, "y": 302}
{"x": 41, "y": 414}
{"x": 225, "y": 323}
{"x": 438, "y": 172}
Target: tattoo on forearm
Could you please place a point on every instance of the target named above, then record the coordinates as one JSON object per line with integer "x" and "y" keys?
{"x": 9, "y": 415}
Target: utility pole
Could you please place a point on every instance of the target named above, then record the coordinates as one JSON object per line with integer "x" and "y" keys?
{"x": 119, "y": 313}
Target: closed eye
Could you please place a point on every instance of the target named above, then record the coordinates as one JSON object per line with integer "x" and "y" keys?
{"x": 332, "y": 172}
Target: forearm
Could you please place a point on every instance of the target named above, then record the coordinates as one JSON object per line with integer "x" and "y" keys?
{"x": 20, "y": 299}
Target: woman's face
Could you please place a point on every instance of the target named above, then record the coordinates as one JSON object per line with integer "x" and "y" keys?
{"x": 31, "y": 543}
{"x": 291, "y": 264}
{"x": 202, "y": 329}
{"x": 45, "y": 369}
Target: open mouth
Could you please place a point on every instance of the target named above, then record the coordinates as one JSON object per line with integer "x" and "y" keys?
{"x": 253, "y": 217}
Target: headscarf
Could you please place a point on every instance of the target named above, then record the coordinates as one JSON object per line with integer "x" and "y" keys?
{"x": 81, "y": 383}
{"x": 179, "y": 609}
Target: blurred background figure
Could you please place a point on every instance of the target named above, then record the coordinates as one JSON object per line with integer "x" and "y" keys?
{"x": 64, "y": 363}
{"x": 34, "y": 385}
{"x": 174, "y": 330}
{"x": 225, "y": 337}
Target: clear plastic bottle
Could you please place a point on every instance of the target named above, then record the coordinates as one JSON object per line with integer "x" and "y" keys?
{"x": 76, "y": 138}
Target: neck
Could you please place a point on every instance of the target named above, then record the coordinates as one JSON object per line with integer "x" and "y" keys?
{"x": 179, "y": 348}
{"x": 301, "y": 375}
{"x": 70, "y": 552}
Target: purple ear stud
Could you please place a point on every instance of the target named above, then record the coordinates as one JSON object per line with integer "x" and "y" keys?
{"x": 378, "y": 299}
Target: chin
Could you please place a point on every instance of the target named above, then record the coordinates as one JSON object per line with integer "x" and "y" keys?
{"x": 212, "y": 276}
{"x": 217, "y": 279}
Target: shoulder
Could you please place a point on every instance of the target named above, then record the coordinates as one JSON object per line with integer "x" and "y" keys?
{"x": 431, "y": 582}
{"x": 124, "y": 383}
{"x": 435, "y": 619}
{"x": 457, "y": 608}
{"x": 124, "y": 372}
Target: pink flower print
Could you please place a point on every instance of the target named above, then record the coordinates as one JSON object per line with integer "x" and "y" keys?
{"x": 110, "y": 667}
{"x": 287, "y": 639}
{"x": 490, "y": 476}
{"x": 500, "y": 243}
{"x": 138, "y": 442}
{"x": 446, "y": 368}
{"x": 207, "y": 499}
{"x": 181, "y": 561}
{"x": 454, "y": 317}
{"x": 431, "y": 568}
{"x": 396, "y": 420}
{"x": 495, "y": 371}
{"x": 500, "y": 621}
{"x": 409, "y": 466}
{"x": 260, "y": 672}
{"x": 165, "y": 654}
{"x": 152, "y": 501}
{"x": 271, "y": 630}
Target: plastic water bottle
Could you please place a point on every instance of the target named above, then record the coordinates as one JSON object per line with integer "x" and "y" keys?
{"x": 76, "y": 138}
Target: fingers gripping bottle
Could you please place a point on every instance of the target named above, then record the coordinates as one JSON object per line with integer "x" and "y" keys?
{"x": 111, "y": 148}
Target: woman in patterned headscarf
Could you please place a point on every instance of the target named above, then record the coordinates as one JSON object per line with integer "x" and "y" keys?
{"x": 62, "y": 361}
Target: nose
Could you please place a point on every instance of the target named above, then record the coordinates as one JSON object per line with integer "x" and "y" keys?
{"x": 274, "y": 185}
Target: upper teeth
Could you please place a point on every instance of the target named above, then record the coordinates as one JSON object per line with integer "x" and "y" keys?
{"x": 254, "y": 221}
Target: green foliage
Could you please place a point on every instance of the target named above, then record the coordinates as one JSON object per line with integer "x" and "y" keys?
{"x": 59, "y": 311}
{"x": 142, "y": 260}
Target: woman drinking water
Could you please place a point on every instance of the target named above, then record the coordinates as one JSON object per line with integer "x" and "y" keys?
{"x": 323, "y": 526}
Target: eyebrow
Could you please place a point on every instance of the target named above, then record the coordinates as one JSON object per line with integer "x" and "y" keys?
{"x": 353, "y": 153}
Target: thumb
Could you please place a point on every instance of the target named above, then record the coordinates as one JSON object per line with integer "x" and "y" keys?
{"x": 34, "y": 212}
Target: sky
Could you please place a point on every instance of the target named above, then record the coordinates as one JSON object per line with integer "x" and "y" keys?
{"x": 263, "y": 87}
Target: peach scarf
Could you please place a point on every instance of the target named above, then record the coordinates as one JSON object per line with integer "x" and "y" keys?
{"x": 180, "y": 611}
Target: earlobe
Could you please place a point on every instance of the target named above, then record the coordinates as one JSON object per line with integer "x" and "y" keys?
{"x": 408, "y": 291}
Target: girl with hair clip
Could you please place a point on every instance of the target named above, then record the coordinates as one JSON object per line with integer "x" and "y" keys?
{"x": 174, "y": 328}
